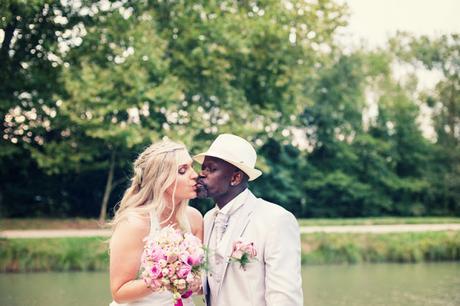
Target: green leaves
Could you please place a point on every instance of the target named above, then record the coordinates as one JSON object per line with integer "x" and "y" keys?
{"x": 83, "y": 82}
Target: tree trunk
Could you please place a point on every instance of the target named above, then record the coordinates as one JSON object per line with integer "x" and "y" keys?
{"x": 7, "y": 37}
{"x": 2, "y": 210}
{"x": 108, "y": 189}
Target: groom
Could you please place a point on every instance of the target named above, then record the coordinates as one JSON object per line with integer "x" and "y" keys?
{"x": 272, "y": 277}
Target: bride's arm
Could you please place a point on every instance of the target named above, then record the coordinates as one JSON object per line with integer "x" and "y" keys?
{"x": 126, "y": 246}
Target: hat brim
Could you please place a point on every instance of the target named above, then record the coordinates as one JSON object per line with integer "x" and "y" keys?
{"x": 251, "y": 172}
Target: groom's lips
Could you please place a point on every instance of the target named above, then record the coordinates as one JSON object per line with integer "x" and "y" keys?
{"x": 200, "y": 186}
{"x": 201, "y": 189}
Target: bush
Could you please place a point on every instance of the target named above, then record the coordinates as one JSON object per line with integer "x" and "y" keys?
{"x": 402, "y": 247}
{"x": 59, "y": 254}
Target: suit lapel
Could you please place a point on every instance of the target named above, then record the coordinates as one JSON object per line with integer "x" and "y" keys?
{"x": 208, "y": 226}
{"x": 235, "y": 231}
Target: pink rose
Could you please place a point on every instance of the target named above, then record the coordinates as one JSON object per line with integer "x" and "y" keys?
{"x": 171, "y": 270}
{"x": 237, "y": 254}
{"x": 177, "y": 265}
{"x": 243, "y": 253}
{"x": 171, "y": 258}
{"x": 237, "y": 245}
{"x": 156, "y": 271}
{"x": 194, "y": 260}
{"x": 184, "y": 271}
{"x": 250, "y": 249}
{"x": 186, "y": 294}
{"x": 162, "y": 263}
{"x": 157, "y": 254}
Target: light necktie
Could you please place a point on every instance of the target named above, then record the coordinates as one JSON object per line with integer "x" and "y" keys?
{"x": 220, "y": 225}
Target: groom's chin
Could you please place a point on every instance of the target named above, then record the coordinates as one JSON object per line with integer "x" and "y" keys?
{"x": 201, "y": 193}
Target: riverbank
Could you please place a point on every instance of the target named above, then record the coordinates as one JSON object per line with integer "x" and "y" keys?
{"x": 355, "y": 229}
{"x": 94, "y": 224}
{"x": 91, "y": 253}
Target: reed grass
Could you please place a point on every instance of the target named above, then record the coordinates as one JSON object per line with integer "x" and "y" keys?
{"x": 320, "y": 248}
{"x": 54, "y": 254}
{"x": 91, "y": 254}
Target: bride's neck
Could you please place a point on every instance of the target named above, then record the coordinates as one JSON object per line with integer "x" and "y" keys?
{"x": 168, "y": 215}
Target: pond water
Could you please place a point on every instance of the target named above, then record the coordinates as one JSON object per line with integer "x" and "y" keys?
{"x": 355, "y": 285}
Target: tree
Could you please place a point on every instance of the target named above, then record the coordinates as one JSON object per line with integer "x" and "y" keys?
{"x": 31, "y": 63}
{"x": 244, "y": 63}
{"x": 440, "y": 54}
{"x": 116, "y": 95}
{"x": 282, "y": 181}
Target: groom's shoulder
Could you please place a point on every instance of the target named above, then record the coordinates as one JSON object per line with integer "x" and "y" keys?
{"x": 268, "y": 209}
{"x": 278, "y": 217}
{"x": 209, "y": 213}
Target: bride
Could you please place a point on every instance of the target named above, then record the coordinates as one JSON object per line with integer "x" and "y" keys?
{"x": 163, "y": 182}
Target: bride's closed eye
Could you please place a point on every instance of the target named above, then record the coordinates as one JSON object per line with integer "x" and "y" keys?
{"x": 182, "y": 169}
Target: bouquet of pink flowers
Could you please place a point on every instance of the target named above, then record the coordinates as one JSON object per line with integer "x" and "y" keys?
{"x": 173, "y": 261}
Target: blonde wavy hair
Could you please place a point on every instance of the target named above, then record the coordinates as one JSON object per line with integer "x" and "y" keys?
{"x": 154, "y": 171}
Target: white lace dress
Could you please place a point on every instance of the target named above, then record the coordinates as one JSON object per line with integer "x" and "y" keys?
{"x": 163, "y": 298}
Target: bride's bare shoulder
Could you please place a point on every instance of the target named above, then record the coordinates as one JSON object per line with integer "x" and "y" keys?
{"x": 132, "y": 226}
{"x": 196, "y": 221}
{"x": 194, "y": 214}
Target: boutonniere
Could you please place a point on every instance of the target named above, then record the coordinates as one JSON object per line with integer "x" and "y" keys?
{"x": 243, "y": 253}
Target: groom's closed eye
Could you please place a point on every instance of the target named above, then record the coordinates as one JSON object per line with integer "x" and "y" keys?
{"x": 208, "y": 169}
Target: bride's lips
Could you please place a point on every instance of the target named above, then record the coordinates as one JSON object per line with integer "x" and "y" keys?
{"x": 201, "y": 190}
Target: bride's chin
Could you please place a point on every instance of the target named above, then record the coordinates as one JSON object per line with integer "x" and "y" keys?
{"x": 190, "y": 197}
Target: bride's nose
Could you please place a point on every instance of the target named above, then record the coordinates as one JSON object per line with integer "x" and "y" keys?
{"x": 194, "y": 175}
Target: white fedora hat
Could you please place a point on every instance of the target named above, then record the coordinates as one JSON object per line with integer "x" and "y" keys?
{"x": 234, "y": 150}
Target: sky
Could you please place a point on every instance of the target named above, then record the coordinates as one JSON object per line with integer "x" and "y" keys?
{"x": 375, "y": 20}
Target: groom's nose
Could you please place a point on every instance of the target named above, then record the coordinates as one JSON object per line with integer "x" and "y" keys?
{"x": 201, "y": 174}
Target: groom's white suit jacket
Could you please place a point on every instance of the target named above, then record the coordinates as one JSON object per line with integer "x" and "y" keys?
{"x": 274, "y": 278}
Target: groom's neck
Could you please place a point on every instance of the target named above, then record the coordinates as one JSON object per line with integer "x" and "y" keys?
{"x": 232, "y": 193}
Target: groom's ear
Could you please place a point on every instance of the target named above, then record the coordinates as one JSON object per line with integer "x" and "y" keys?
{"x": 237, "y": 178}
